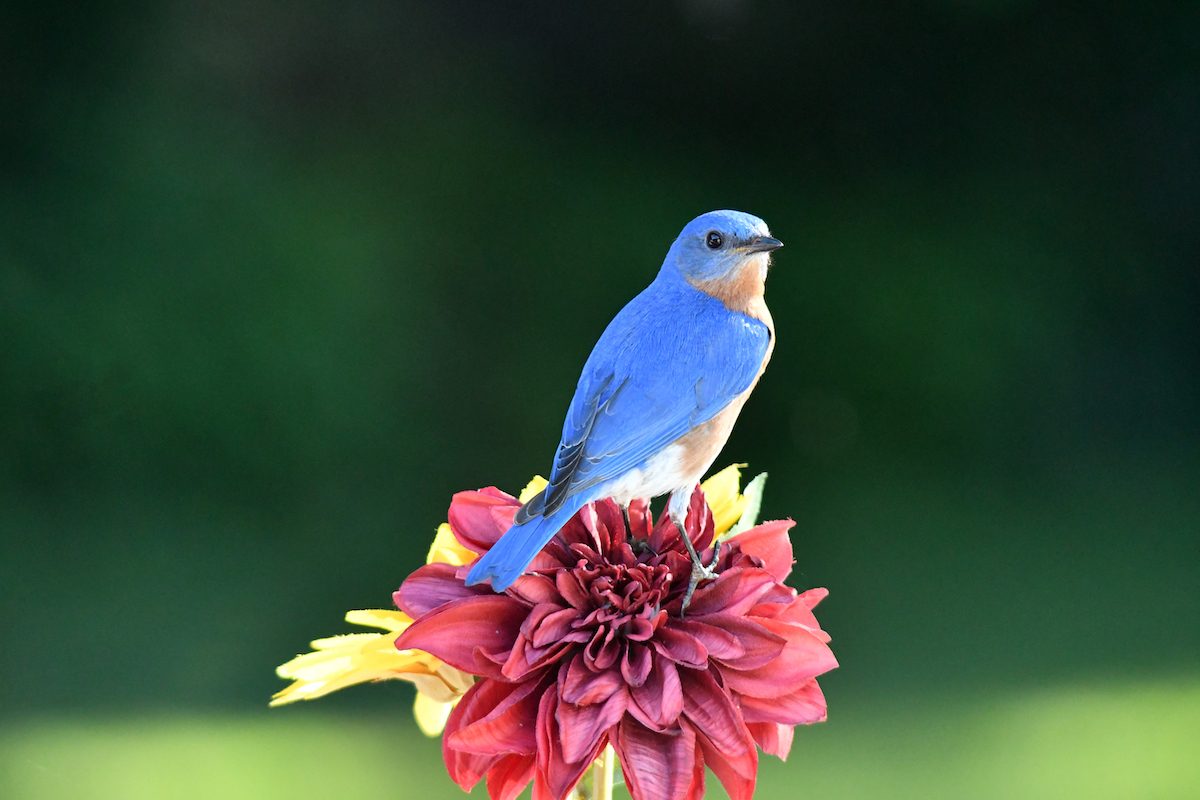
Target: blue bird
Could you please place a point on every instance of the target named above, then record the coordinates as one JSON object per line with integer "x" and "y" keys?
{"x": 659, "y": 394}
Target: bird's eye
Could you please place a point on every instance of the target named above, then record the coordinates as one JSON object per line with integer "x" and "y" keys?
{"x": 714, "y": 240}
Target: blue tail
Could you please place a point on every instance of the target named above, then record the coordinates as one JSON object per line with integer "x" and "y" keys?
{"x": 505, "y": 562}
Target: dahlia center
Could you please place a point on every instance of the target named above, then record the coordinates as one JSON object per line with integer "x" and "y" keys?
{"x": 625, "y": 611}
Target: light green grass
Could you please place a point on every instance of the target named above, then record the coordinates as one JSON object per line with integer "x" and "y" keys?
{"x": 1121, "y": 742}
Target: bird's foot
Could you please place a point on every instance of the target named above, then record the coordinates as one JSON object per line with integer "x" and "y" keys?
{"x": 700, "y": 570}
{"x": 641, "y": 547}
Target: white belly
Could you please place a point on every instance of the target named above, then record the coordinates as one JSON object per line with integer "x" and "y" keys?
{"x": 681, "y": 464}
{"x": 661, "y": 474}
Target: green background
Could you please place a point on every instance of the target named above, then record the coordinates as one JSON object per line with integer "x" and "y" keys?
{"x": 276, "y": 279}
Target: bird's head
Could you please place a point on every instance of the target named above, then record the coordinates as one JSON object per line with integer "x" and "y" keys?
{"x": 719, "y": 249}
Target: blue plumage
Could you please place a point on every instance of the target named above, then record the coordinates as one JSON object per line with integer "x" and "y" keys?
{"x": 686, "y": 349}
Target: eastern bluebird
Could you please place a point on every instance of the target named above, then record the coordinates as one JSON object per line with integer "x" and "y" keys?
{"x": 661, "y": 390}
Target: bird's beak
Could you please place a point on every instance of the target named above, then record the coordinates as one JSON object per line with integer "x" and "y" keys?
{"x": 762, "y": 244}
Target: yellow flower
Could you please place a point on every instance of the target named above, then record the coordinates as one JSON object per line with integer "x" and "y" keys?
{"x": 340, "y": 661}
{"x": 733, "y": 512}
{"x": 721, "y": 490}
{"x": 532, "y": 489}
{"x": 446, "y": 549}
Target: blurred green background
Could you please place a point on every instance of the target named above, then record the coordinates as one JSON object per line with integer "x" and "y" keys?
{"x": 276, "y": 279}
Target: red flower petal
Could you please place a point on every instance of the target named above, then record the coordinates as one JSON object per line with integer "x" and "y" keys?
{"x": 737, "y": 775}
{"x": 710, "y": 709}
{"x": 553, "y": 557}
{"x": 756, "y": 646}
{"x": 478, "y": 519}
{"x": 474, "y": 634}
{"x": 657, "y": 766}
{"x": 430, "y": 587}
{"x": 581, "y": 686}
{"x": 659, "y": 701}
{"x": 774, "y": 739}
{"x": 571, "y": 589}
{"x": 665, "y": 536}
{"x": 524, "y": 659}
{"x": 812, "y": 597}
{"x": 464, "y": 768}
{"x": 640, "y": 522}
{"x": 535, "y": 616}
{"x": 735, "y": 591}
{"x": 724, "y": 739}
{"x": 798, "y": 611}
{"x": 555, "y": 777}
{"x": 803, "y": 706}
{"x": 699, "y": 527}
{"x": 602, "y": 651}
{"x": 535, "y": 589}
{"x": 735, "y": 771}
{"x": 552, "y": 627}
{"x": 641, "y": 629}
{"x": 697, "y": 790}
{"x": 509, "y": 777}
{"x": 607, "y": 525}
{"x": 771, "y": 544}
{"x": 635, "y": 663}
{"x": 580, "y": 728}
{"x": 805, "y": 656}
{"x": 677, "y": 641}
{"x": 715, "y": 642}
{"x": 578, "y": 530}
{"x": 506, "y": 728}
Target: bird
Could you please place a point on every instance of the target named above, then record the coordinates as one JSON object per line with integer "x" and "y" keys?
{"x": 660, "y": 392}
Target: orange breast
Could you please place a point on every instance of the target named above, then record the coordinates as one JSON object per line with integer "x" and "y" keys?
{"x": 744, "y": 294}
{"x": 700, "y": 446}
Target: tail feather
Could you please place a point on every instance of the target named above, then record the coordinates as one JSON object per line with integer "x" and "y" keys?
{"x": 509, "y": 557}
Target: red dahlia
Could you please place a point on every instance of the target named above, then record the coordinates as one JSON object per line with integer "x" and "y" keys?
{"x": 591, "y": 649}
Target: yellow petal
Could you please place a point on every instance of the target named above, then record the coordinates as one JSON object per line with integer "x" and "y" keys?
{"x": 751, "y": 506}
{"x": 532, "y": 489}
{"x": 342, "y": 640}
{"x": 431, "y": 715}
{"x": 385, "y": 618}
{"x": 340, "y": 661}
{"x": 314, "y": 667}
{"x": 455, "y": 678}
{"x": 317, "y": 674}
{"x": 447, "y": 550}
{"x": 726, "y": 502}
{"x": 294, "y": 692}
{"x": 437, "y": 695}
{"x": 433, "y": 687}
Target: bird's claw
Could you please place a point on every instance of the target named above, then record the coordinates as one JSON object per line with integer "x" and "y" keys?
{"x": 700, "y": 570}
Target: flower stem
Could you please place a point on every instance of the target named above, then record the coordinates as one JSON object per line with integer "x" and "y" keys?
{"x": 602, "y": 775}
